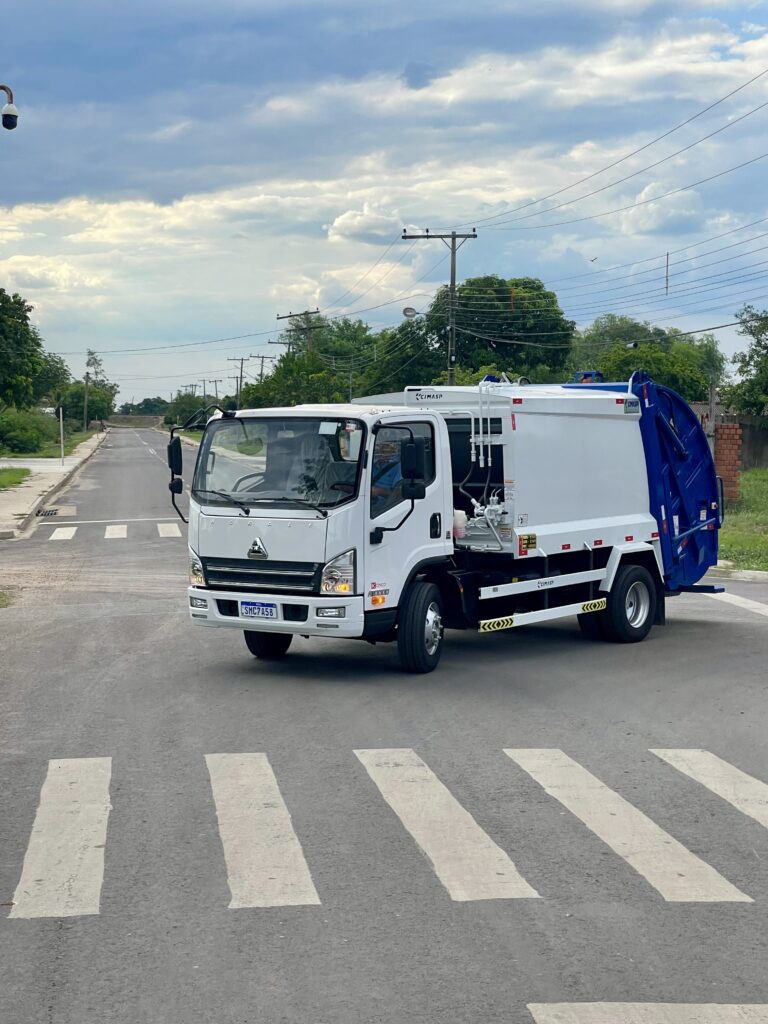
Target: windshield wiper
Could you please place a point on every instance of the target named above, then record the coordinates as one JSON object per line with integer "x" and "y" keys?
{"x": 223, "y": 494}
{"x": 296, "y": 501}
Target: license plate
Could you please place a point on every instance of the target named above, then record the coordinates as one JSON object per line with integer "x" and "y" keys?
{"x": 257, "y": 610}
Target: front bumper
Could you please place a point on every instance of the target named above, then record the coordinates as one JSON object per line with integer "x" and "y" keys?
{"x": 223, "y": 609}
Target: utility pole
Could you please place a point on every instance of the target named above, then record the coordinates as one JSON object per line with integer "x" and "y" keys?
{"x": 202, "y": 383}
{"x": 712, "y": 418}
{"x": 450, "y": 239}
{"x": 216, "y": 383}
{"x": 309, "y": 326}
{"x": 85, "y": 403}
{"x": 241, "y": 360}
{"x": 262, "y": 359}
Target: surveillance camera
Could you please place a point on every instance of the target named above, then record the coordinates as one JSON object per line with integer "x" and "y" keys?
{"x": 10, "y": 116}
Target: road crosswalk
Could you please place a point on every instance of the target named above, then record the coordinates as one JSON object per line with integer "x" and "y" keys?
{"x": 649, "y": 1013}
{"x": 265, "y": 864}
{"x": 115, "y": 531}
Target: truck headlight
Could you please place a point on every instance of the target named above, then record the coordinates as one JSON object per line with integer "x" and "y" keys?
{"x": 339, "y": 575}
{"x": 196, "y": 574}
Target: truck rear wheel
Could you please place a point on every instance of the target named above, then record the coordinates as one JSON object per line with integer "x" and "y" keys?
{"x": 420, "y": 628}
{"x": 267, "y": 646}
{"x": 631, "y": 605}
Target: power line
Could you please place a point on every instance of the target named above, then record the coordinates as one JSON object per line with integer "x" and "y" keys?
{"x": 632, "y": 206}
{"x": 642, "y": 170}
{"x": 620, "y": 160}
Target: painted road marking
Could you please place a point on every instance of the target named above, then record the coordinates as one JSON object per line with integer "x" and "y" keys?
{"x": 63, "y": 533}
{"x": 101, "y": 522}
{"x": 116, "y": 532}
{"x": 649, "y": 1013}
{"x": 741, "y": 602}
{"x": 168, "y": 529}
{"x": 151, "y": 450}
{"x": 675, "y": 872}
{"x": 465, "y": 859}
{"x": 265, "y": 862}
{"x": 747, "y": 794}
{"x": 64, "y": 863}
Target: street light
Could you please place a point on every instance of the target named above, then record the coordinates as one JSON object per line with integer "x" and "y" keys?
{"x": 9, "y": 112}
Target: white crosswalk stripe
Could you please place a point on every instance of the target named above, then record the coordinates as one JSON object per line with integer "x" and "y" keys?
{"x": 116, "y": 532}
{"x": 64, "y": 863}
{"x": 168, "y": 529}
{"x": 466, "y": 860}
{"x": 649, "y": 1013}
{"x": 675, "y": 872}
{"x": 740, "y": 602}
{"x": 265, "y": 862}
{"x": 63, "y": 533}
{"x": 748, "y": 794}
{"x": 265, "y": 865}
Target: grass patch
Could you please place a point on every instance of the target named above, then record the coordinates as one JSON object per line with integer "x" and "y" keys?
{"x": 5, "y": 600}
{"x": 52, "y": 450}
{"x": 12, "y": 477}
{"x": 744, "y": 536}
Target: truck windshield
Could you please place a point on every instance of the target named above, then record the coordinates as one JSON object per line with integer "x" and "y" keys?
{"x": 282, "y": 462}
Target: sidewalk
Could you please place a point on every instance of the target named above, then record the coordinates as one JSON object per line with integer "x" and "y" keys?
{"x": 18, "y": 505}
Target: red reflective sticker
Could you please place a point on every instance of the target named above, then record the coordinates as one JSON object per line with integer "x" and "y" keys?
{"x": 517, "y": 401}
{"x": 629, "y": 537}
{"x": 566, "y": 547}
{"x": 596, "y": 543}
{"x": 514, "y": 423}
{"x": 655, "y": 535}
{"x": 619, "y": 401}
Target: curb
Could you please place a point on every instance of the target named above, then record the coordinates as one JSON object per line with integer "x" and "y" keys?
{"x": 747, "y": 575}
{"x": 59, "y": 485}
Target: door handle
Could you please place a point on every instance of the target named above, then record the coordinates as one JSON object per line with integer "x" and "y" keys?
{"x": 435, "y": 526}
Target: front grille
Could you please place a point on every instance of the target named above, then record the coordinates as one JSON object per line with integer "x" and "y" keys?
{"x": 266, "y": 577}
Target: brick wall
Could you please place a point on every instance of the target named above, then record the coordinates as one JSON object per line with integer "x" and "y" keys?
{"x": 728, "y": 458}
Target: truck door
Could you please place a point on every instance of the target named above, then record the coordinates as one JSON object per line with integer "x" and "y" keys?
{"x": 408, "y": 538}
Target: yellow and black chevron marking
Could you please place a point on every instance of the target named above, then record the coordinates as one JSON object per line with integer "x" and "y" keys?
{"x": 595, "y": 606}
{"x": 491, "y": 625}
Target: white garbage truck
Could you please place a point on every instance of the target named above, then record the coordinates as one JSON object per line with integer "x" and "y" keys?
{"x": 479, "y": 508}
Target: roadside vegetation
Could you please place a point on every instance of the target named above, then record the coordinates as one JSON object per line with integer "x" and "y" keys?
{"x": 12, "y": 477}
{"x": 744, "y": 535}
{"x": 5, "y": 600}
{"x": 52, "y": 449}
{"x": 35, "y": 385}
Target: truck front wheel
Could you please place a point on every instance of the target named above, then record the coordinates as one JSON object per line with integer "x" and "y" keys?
{"x": 267, "y": 646}
{"x": 631, "y": 605}
{"x": 420, "y": 628}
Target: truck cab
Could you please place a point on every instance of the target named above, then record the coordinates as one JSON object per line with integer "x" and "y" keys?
{"x": 314, "y": 519}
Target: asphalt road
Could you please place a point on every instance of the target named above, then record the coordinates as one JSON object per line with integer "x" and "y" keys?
{"x": 100, "y": 662}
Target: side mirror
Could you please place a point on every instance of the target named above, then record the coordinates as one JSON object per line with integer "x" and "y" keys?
{"x": 175, "y": 463}
{"x": 413, "y": 490}
{"x": 413, "y": 460}
{"x": 176, "y": 486}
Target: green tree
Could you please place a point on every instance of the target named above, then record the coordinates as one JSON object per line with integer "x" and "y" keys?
{"x": 749, "y": 395}
{"x": 677, "y": 366}
{"x": 21, "y": 351}
{"x": 101, "y": 401}
{"x": 52, "y": 379}
{"x": 515, "y": 322}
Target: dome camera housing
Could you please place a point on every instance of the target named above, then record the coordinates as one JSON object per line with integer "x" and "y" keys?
{"x": 10, "y": 116}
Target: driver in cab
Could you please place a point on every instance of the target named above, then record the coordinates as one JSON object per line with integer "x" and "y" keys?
{"x": 387, "y": 478}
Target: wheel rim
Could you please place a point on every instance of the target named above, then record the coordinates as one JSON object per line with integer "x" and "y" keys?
{"x": 637, "y": 604}
{"x": 433, "y": 628}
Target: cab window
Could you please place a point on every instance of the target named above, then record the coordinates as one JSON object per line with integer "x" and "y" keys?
{"x": 386, "y": 475}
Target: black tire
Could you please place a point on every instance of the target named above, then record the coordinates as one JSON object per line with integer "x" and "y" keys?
{"x": 592, "y": 625}
{"x": 267, "y": 646}
{"x": 420, "y": 628}
{"x": 631, "y": 605}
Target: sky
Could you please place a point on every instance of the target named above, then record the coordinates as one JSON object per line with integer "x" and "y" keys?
{"x": 185, "y": 172}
